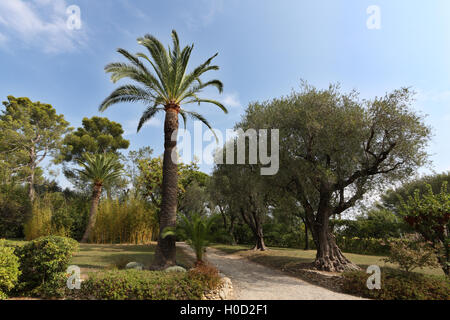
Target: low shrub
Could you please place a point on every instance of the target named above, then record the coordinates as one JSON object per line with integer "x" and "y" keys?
{"x": 412, "y": 252}
{"x": 147, "y": 285}
{"x": 398, "y": 285}
{"x": 207, "y": 274}
{"x": 43, "y": 263}
{"x": 9, "y": 269}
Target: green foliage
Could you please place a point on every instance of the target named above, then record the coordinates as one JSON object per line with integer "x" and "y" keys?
{"x": 392, "y": 199}
{"x": 49, "y": 217}
{"x": 144, "y": 285}
{"x": 100, "y": 168}
{"x": 196, "y": 230}
{"x": 429, "y": 215}
{"x": 169, "y": 84}
{"x": 15, "y": 209}
{"x": 336, "y": 147}
{"x": 149, "y": 181}
{"x": 97, "y": 135}
{"x": 371, "y": 246}
{"x": 128, "y": 221}
{"x": 9, "y": 269}
{"x": 29, "y": 132}
{"x": 398, "y": 285}
{"x": 411, "y": 252}
{"x": 376, "y": 223}
{"x": 43, "y": 263}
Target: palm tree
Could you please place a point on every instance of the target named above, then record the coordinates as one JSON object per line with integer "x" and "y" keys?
{"x": 101, "y": 169}
{"x": 166, "y": 88}
{"x": 196, "y": 231}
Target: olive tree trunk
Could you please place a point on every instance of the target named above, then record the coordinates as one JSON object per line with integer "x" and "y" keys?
{"x": 165, "y": 254}
{"x": 96, "y": 193}
{"x": 328, "y": 257}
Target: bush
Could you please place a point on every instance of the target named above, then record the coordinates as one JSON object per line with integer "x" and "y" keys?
{"x": 412, "y": 252}
{"x": 398, "y": 285}
{"x": 130, "y": 221}
{"x": 371, "y": 246}
{"x": 144, "y": 285}
{"x": 206, "y": 274}
{"x": 43, "y": 263}
{"x": 9, "y": 269}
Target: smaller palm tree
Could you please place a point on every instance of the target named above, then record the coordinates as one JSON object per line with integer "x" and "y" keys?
{"x": 197, "y": 232}
{"x": 101, "y": 169}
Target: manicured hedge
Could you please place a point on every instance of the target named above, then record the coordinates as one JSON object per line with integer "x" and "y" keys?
{"x": 398, "y": 285}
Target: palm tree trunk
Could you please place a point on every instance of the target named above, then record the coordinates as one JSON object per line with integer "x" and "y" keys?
{"x": 93, "y": 212}
{"x": 165, "y": 254}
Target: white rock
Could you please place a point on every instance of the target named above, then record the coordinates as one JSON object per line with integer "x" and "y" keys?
{"x": 175, "y": 269}
{"x": 134, "y": 265}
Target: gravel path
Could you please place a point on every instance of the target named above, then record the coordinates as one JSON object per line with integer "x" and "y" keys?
{"x": 252, "y": 281}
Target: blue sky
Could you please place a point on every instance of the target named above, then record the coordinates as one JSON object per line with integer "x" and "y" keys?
{"x": 265, "y": 48}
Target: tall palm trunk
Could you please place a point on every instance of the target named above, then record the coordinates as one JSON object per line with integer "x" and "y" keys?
{"x": 93, "y": 212}
{"x": 165, "y": 254}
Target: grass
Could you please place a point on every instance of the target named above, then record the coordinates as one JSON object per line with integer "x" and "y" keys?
{"x": 95, "y": 257}
{"x": 279, "y": 258}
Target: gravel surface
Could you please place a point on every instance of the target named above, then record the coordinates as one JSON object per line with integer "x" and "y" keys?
{"x": 252, "y": 281}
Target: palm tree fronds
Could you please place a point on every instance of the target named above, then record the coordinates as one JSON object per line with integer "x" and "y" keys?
{"x": 147, "y": 115}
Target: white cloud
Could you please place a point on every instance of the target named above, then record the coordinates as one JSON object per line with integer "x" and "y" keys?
{"x": 39, "y": 24}
{"x": 231, "y": 100}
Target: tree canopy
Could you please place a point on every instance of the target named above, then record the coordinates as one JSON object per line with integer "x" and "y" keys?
{"x": 97, "y": 135}
{"x": 335, "y": 147}
{"x": 29, "y": 132}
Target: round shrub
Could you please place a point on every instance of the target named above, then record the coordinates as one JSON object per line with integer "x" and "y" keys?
{"x": 9, "y": 269}
{"x": 43, "y": 262}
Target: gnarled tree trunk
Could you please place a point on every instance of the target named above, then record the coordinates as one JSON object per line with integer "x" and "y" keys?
{"x": 165, "y": 254}
{"x": 328, "y": 257}
{"x": 96, "y": 193}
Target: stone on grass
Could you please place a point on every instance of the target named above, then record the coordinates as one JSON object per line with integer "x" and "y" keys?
{"x": 134, "y": 265}
{"x": 175, "y": 269}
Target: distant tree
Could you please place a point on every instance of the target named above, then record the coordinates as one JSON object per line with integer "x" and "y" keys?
{"x": 377, "y": 223}
{"x": 29, "y": 132}
{"x": 247, "y": 193}
{"x": 392, "y": 198}
{"x": 221, "y": 200}
{"x": 429, "y": 214}
{"x": 100, "y": 169}
{"x": 97, "y": 135}
{"x": 335, "y": 147}
{"x": 166, "y": 89}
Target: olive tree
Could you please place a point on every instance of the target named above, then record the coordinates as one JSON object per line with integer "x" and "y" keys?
{"x": 335, "y": 147}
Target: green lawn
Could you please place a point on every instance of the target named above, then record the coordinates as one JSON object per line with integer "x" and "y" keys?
{"x": 279, "y": 258}
{"x": 94, "y": 257}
